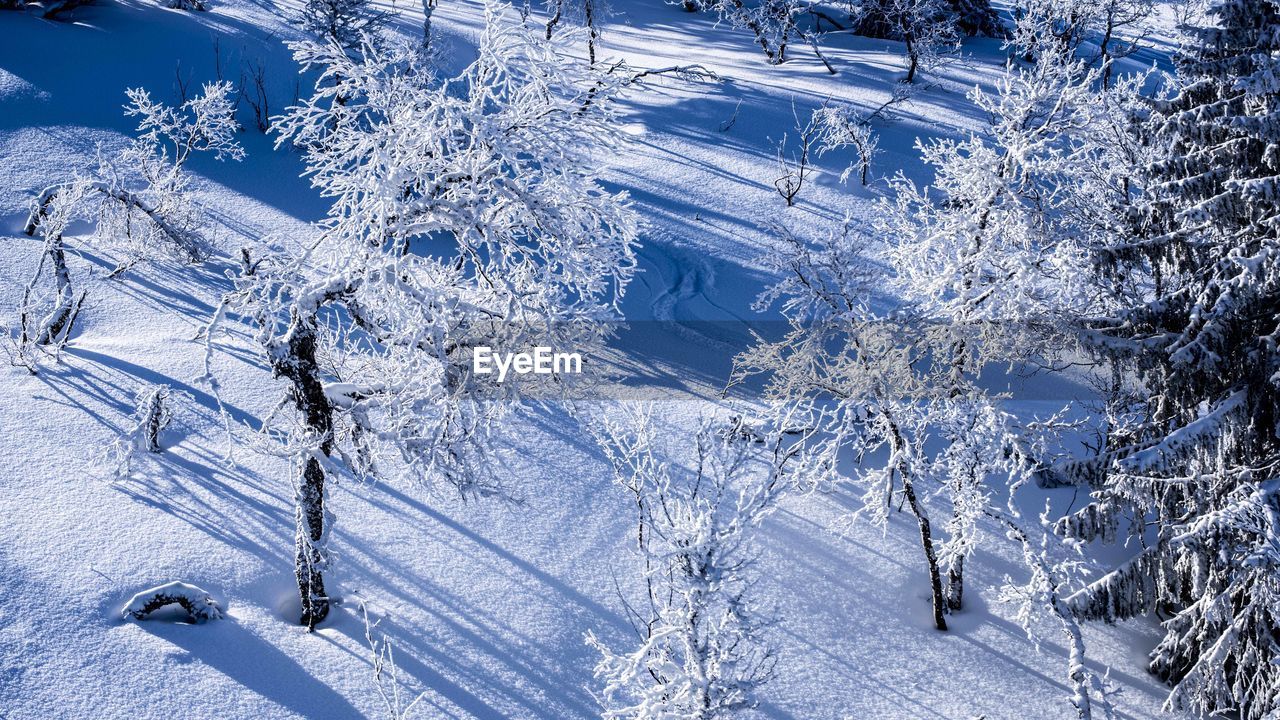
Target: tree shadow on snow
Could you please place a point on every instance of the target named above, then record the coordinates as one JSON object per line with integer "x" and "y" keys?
{"x": 257, "y": 665}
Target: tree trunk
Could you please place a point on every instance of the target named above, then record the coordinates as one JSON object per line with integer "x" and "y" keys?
{"x": 59, "y": 320}
{"x": 955, "y": 585}
{"x": 926, "y": 539}
{"x": 555, "y": 18}
{"x": 311, "y": 545}
{"x": 1104, "y": 49}
{"x": 897, "y": 445}
{"x": 589, "y": 7}
{"x": 428, "y": 6}
{"x": 914, "y": 60}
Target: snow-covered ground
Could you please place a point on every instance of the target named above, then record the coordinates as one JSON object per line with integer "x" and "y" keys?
{"x": 485, "y": 603}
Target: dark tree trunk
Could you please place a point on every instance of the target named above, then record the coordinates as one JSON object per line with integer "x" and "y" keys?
{"x": 555, "y": 18}
{"x": 931, "y": 558}
{"x": 914, "y": 58}
{"x": 589, "y": 7}
{"x": 897, "y": 443}
{"x": 311, "y": 551}
{"x": 428, "y": 7}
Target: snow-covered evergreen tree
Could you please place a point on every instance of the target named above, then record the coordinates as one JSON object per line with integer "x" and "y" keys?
{"x": 465, "y": 213}
{"x": 1197, "y": 333}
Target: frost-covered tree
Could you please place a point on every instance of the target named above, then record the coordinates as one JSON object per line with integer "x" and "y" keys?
{"x": 139, "y": 199}
{"x": 884, "y": 18}
{"x": 1117, "y": 20}
{"x": 982, "y": 244}
{"x": 996, "y": 253}
{"x": 1045, "y": 594}
{"x": 927, "y": 29}
{"x": 155, "y": 409}
{"x": 841, "y": 127}
{"x": 849, "y": 371}
{"x": 701, "y": 653}
{"x": 1195, "y": 459}
{"x": 771, "y": 22}
{"x": 465, "y": 212}
{"x": 349, "y": 23}
{"x": 588, "y": 13}
{"x": 874, "y": 384}
{"x": 50, "y": 323}
{"x": 1098, "y": 31}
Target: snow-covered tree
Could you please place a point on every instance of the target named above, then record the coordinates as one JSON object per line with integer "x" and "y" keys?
{"x": 1044, "y": 594}
{"x": 981, "y": 244}
{"x": 884, "y": 18}
{"x": 927, "y": 29}
{"x": 996, "y": 253}
{"x": 771, "y": 22}
{"x": 843, "y": 126}
{"x": 49, "y": 321}
{"x": 139, "y": 198}
{"x": 1100, "y": 32}
{"x": 349, "y": 23}
{"x": 465, "y": 212}
{"x": 849, "y": 371}
{"x": 868, "y": 382}
{"x": 1117, "y": 20}
{"x": 584, "y": 10}
{"x": 153, "y": 413}
{"x": 701, "y": 653}
{"x": 1198, "y": 274}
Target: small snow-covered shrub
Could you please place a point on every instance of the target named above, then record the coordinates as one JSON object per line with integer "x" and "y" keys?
{"x": 198, "y": 604}
{"x": 195, "y": 5}
{"x": 140, "y": 195}
{"x": 392, "y": 688}
{"x": 153, "y": 414}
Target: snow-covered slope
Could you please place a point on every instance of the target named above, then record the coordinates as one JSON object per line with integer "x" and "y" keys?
{"x": 485, "y": 604}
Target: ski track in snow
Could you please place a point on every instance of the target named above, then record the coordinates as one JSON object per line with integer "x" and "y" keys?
{"x": 485, "y": 603}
